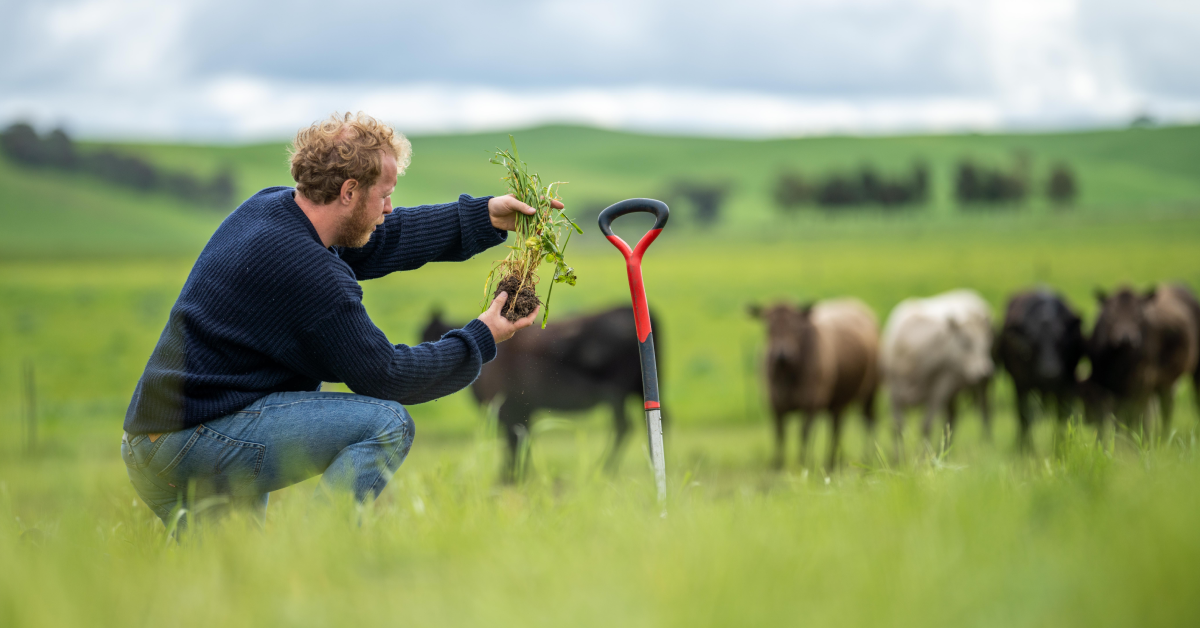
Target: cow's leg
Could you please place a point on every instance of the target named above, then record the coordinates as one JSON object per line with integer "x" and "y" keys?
{"x": 941, "y": 393}
{"x": 897, "y": 431}
{"x": 985, "y": 407}
{"x": 514, "y": 426}
{"x": 1024, "y": 420}
{"x": 931, "y": 409}
{"x": 807, "y": 419}
{"x": 835, "y": 440}
{"x": 869, "y": 442}
{"x": 1063, "y": 401}
{"x": 1166, "y": 408}
{"x": 780, "y": 437}
{"x": 620, "y": 430}
{"x": 951, "y": 419}
{"x": 1196, "y": 387}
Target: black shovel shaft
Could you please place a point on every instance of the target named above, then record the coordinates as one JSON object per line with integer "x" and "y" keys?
{"x": 649, "y": 372}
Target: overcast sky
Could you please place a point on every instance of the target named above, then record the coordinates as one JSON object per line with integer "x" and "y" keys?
{"x": 240, "y": 70}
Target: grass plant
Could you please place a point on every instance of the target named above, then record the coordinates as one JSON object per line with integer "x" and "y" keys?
{"x": 540, "y": 237}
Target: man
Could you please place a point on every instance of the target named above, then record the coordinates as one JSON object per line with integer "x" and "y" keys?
{"x": 229, "y": 405}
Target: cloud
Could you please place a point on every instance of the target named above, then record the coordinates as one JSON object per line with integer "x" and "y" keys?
{"x": 236, "y": 69}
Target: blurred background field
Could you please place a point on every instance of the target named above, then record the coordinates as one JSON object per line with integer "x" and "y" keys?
{"x": 881, "y": 149}
{"x": 977, "y": 534}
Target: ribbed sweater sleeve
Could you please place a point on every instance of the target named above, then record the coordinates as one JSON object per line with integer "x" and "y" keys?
{"x": 411, "y": 237}
{"x": 349, "y": 346}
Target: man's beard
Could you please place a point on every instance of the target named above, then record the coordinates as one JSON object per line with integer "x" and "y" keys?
{"x": 359, "y": 225}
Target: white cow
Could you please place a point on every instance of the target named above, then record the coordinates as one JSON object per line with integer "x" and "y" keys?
{"x": 933, "y": 349}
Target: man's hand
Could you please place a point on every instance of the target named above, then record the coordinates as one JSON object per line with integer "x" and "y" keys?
{"x": 502, "y": 329}
{"x": 503, "y": 210}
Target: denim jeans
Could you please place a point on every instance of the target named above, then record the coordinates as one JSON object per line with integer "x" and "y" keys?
{"x": 357, "y": 442}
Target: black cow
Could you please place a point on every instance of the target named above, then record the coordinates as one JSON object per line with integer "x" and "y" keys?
{"x": 1040, "y": 346}
{"x": 572, "y": 364}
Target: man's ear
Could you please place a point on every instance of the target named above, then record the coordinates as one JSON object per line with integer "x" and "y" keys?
{"x": 349, "y": 188}
{"x": 754, "y": 310}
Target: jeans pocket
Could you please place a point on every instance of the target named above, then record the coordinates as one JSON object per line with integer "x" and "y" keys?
{"x": 218, "y": 463}
{"x": 138, "y": 450}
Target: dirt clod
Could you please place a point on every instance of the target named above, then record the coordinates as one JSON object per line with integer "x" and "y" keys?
{"x": 520, "y": 305}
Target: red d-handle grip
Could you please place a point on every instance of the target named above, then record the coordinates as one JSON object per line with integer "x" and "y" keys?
{"x": 633, "y": 257}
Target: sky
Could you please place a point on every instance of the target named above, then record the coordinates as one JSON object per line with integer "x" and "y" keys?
{"x": 238, "y": 70}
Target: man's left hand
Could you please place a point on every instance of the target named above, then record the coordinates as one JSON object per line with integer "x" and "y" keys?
{"x": 503, "y": 211}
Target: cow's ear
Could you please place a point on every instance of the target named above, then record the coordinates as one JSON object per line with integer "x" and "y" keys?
{"x": 807, "y": 308}
{"x": 754, "y": 310}
{"x": 1148, "y": 295}
{"x": 1101, "y": 295}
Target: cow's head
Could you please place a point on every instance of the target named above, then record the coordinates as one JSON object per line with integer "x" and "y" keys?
{"x": 791, "y": 335}
{"x": 971, "y": 339}
{"x": 1121, "y": 325}
{"x": 1048, "y": 338}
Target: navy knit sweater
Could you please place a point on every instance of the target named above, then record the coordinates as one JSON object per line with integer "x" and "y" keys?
{"x": 267, "y": 308}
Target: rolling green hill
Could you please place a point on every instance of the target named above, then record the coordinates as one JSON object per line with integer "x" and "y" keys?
{"x": 1126, "y": 170}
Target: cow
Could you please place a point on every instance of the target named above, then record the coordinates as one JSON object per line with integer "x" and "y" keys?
{"x": 573, "y": 364}
{"x": 820, "y": 357}
{"x": 933, "y": 349}
{"x": 1040, "y": 345}
{"x": 1139, "y": 348}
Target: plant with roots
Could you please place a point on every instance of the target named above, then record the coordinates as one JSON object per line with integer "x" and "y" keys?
{"x": 540, "y": 237}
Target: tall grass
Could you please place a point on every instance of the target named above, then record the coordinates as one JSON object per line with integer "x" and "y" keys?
{"x": 1094, "y": 537}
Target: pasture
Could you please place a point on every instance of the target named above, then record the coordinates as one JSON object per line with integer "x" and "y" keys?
{"x": 1104, "y": 534}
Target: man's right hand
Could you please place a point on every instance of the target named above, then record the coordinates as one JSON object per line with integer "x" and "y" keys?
{"x": 501, "y": 328}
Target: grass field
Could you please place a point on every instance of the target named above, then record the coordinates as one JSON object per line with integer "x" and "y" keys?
{"x": 1102, "y": 535}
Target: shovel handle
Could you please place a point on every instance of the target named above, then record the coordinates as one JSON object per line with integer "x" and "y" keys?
{"x": 633, "y": 256}
{"x": 630, "y": 206}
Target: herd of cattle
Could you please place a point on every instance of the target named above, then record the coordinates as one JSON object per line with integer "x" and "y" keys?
{"x": 830, "y": 355}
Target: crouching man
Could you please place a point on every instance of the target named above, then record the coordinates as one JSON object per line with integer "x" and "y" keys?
{"x": 229, "y": 405}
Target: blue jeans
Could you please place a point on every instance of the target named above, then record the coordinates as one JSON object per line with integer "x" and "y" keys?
{"x": 357, "y": 442}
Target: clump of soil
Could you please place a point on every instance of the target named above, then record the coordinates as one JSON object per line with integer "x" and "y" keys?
{"x": 520, "y": 305}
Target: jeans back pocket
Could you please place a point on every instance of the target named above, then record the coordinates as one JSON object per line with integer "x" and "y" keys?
{"x": 219, "y": 463}
{"x": 138, "y": 450}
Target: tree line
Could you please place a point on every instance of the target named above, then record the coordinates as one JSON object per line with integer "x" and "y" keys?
{"x": 975, "y": 186}
{"x": 56, "y": 151}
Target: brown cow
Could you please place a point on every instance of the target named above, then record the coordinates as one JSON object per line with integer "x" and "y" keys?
{"x": 1139, "y": 348}
{"x": 820, "y": 357}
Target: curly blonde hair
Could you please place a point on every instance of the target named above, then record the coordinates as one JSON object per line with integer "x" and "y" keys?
{"x": 342, "y": 147}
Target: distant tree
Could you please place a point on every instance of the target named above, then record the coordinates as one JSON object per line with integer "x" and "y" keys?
{"x": 59, "y": 151}
{"x": 977, "y": 185}
{"x": 707, "y": 198}
{"x": 791, "y": 190}
{"x": 122, "y": 170}
{"x": 21, "y": 143}
{"x": 1143, "y": 121}
{"x": 222, "y": 188}
{"x": 840, "y": 190}
{"x": 862, "y": 187}
{"x": 1061, "y": 188}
